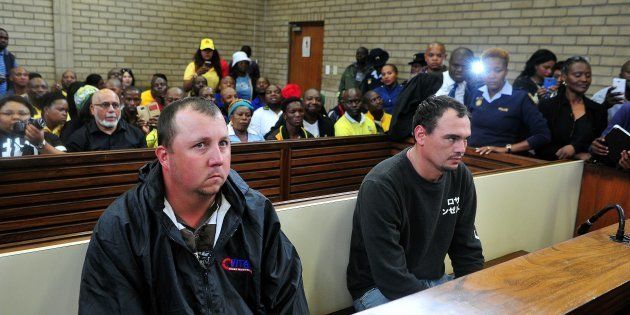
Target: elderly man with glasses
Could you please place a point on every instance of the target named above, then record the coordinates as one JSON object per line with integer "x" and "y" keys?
{"x": 106, "y": 131}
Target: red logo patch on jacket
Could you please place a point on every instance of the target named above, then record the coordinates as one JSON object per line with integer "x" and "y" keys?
{"x": 234, "y": 264}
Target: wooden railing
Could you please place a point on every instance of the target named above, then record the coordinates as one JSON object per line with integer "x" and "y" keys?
{"x": 52, "y": 197}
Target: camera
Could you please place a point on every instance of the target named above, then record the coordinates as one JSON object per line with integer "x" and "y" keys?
{"x": 19, "y": 128}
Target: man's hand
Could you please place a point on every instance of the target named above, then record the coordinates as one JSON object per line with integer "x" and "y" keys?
{"x": 624, "y": 161}
{"x": 33, "y": 135}
{"x": 598, "y": 146}
{"x": 613, "y": 98}
{"x": 565, "y": 152}
{"x": 144, "y": 126}
{"x": 490, "y": 149}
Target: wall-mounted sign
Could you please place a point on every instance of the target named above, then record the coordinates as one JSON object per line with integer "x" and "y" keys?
{"x": 306, "y": 46}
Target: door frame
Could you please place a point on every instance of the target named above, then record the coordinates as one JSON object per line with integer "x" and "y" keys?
{"x": 290, "y": 31}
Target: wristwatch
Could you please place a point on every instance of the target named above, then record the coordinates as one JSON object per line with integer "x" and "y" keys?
{"x": 508, "y": 147}
{"x": 41, "y": 145}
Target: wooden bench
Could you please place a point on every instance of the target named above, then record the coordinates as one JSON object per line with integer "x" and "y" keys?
{"x": 51, "y": 197}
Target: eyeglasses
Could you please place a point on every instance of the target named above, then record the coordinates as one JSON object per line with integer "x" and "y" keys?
{"x": 107, "y": 105}
{"x": 21, "y": 114}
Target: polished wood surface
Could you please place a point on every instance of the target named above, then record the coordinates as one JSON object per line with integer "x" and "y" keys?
{"x": 602, "y": 186}
{"x": 587, "y": 274}
{"x": 49, "y": 197}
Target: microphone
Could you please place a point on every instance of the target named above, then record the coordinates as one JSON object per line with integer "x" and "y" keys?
{"x": 619, "y": 236}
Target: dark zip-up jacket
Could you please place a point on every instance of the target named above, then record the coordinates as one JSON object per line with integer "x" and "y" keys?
{"x": 138, "y": 263}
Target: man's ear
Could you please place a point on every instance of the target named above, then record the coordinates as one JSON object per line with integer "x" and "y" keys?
{"x": 419, "y": 134}
{"x": 162, "y": 155}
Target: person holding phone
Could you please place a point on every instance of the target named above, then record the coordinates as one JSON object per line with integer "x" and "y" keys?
{"x": 617, "y": 94}
{"x": 573, "y": 119}
{"x": 532, "y": 79}
{"x": 206, "y": 62}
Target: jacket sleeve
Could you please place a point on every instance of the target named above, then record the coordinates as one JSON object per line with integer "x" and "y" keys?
{"x": 377, "y": 214}
{"x": 111, "y": 281}
{"x": 538, "y": 131}
{"x": 465, "y": 250}
{"x": 282, "y": 290}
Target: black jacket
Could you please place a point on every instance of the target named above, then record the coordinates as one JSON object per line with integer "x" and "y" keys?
{"x": 416, "y": 90}
{"x": 9, "y": 63}
{"x": 566, "y": 130}
{"x": 138, "y": 263}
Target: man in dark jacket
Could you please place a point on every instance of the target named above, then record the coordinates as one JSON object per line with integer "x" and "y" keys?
{"x": 192, "y": 237}
{"x": 454, "y": 83}
{"x": 7, "y": 62}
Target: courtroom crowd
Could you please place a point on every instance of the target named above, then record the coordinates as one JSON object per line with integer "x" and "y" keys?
{"x": 546, "y": 112}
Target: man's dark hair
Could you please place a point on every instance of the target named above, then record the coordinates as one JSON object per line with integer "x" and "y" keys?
{"x": 289, "y": 100}
{"x": 17, "y": 99}
{"x": 93, "y": 79}
{"x": 132, "y": 88}
{"x": 247, "y": 50}
{"x": 159, "y": 75}
{"x": 33, "y": 75}
{"x": 50, "y": 97}
{"x": 431, "y": 109}
{"x": 167, "y": 130}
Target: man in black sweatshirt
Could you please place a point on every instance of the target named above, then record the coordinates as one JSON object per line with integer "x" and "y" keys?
{"x": 413, "y": 209}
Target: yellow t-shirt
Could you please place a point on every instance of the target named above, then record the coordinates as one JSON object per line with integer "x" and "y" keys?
{"x": 146, "y": 98}
{"x": 152, "y": 139}
{"x": 345, "y": 127}
{"x": 211, "y": 75}
{"x": 386, "y": 120}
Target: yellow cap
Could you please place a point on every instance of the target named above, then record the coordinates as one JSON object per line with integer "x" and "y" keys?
{"x": 206, "y": 43}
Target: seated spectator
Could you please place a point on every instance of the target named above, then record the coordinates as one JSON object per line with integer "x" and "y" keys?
{"x": 456, "y": 83}
{"x": 37, "y": 88}
{"x": 114, "y": 73}
{"x": 240, "y": 115}
{"x": 25, "y": 139}
{"x": 614, "y": 101}
{"x": 254, "y": 69}
{"x": 538, "y": 67}
{"x": 355, "y": 73}
{"x": 244, "y": 82}
{"x": 292, "y": 128}
{"x": 377, "y": 58}
{"x": 259, "y": 99}
{"x": 126, "y": 78}
{"x": 417, "y": 64}
{"x": 336, "y": 112}
{"x": 206, "y": 62}
{"x": 353, "y": 122}
{"x": 207, "y": 93}
{"x": 159, "y": 85}
{"x": 266, "y": 117}
{"x": 573, "y": 119}
{"x": 114, "y": 85}
{"x": 315, "y": 120}
{"x": 173, "y": 94}
{"x": 226, "y": 82}
{"x": 83, "y": 117}
{"x": 599, "y": 148}
{"x": 228, "y": 95}
{"x": 390, "y": 89}
{"x": 67, "y": 78}
{"x": 434, "y": 57}
{"x": 198, "y": 83}
{"x": 82, "y": 94}
{"x": 106, "y": 131}
{"x": 95, "y": 80}
{"x": 500, "y": 114}
{"x": 18, "y": 81}
{"x": 55, "y": 115}
{"x": 130, "y": 101}
{"x": 375, "y": 111}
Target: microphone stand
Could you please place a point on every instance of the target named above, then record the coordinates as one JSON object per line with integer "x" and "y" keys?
{"x": 619, "y": 236}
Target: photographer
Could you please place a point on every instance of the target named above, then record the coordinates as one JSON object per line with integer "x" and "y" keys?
{"x": 19, "y": 134}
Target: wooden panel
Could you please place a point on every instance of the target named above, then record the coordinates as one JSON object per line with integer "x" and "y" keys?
{"x": 587, "y": 273}
{"x": 54, "y": 208}
{"x": 297, "y": 153}
{"x": 324, "y": 184}
{"x": 383, "y": 154}
{"x": 333, "y": 167}
{"x": 316, "y": 177}
{"x": 40, "y": 186}
{"x": 602, "y": 186}
{"x": 50, "y": 220}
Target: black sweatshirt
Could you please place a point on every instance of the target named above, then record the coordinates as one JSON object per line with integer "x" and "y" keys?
{"x": 403, "y": 227}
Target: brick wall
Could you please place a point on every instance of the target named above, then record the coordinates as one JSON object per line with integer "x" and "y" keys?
{"x": 161, "y": 35}
{"x": 146, "y": 35}
{"x": 598, "y": 29}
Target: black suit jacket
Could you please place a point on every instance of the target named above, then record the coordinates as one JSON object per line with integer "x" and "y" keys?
{"x": 415, "y": 91}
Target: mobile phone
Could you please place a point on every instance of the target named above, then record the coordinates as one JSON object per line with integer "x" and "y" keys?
{"x": 208, "y": 63}
{"x": 620, "y": 86}
{"x": 143, "y": 113}
{"x": 154, "y": 110}
{"x": 550, "y": 82}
